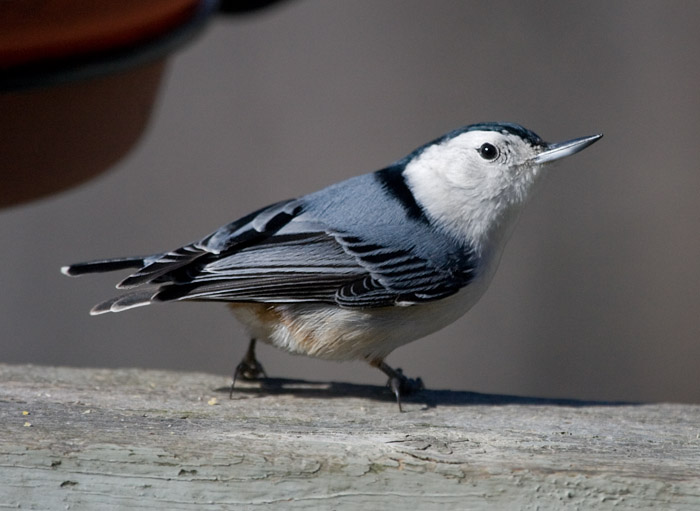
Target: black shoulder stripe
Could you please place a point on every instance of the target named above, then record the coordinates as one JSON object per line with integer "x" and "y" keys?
{"x": 394, "y": 183}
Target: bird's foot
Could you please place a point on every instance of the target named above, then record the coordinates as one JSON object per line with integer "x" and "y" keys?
{"x": 400, "y": 384}
{"x": 248, "y": 369}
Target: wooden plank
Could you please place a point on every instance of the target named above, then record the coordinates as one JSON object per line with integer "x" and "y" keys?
{"x": 143, "y": 439}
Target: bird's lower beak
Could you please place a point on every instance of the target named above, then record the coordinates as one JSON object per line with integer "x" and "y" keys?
{"x": 563, "y": 149}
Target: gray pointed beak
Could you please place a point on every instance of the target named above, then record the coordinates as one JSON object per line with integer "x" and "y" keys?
{"x": 563, "y": 149}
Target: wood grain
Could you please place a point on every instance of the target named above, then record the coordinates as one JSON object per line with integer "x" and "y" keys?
{"x": 144, "y": 439}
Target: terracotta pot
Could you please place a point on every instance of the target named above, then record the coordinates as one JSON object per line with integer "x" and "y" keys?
{"x": 78, "y": 79}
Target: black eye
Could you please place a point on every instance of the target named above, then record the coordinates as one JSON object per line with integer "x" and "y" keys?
{"x": 488, "y": 151}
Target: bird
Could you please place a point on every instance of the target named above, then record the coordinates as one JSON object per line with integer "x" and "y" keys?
{"x": 361, "y": 267}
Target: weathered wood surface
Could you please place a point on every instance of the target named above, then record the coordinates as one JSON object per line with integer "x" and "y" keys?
{"x": 135, "y": 439}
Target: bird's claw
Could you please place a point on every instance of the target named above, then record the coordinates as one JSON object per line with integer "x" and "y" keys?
{"x": 401, "y": 385}
{"x": 248, "y": 369}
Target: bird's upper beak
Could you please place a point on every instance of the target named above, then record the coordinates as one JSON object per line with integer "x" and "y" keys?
{"x": 563, "y": 149}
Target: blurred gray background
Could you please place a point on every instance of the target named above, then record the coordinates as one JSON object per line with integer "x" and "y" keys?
{"x": 597, "y": 296}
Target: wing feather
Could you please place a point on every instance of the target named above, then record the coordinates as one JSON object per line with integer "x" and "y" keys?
{"x": 317, "y": 267}
{"x": 282, "y": 255}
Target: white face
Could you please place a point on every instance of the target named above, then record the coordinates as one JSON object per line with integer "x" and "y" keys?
{"x": 490, "y": 163}
{"x": 473, "y": 182}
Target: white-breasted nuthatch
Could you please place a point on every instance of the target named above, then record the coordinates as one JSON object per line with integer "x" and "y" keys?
{"x": 359, "y": 268}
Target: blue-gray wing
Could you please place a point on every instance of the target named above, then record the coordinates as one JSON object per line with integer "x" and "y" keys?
{"x": 281, "y": 254}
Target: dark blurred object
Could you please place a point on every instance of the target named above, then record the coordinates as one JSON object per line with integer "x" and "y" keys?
{"x": 57, "y": 137}
{"x": 244, "y": 6}
{"x": 78, "y": 79}
{"x": 43, "y": 42}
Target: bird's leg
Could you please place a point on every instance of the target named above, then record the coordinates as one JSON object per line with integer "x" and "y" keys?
{"x": 398, "y": 383}
{"x": 249, "y": 368}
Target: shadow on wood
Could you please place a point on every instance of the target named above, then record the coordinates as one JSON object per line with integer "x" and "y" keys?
{"x": 427, "y": 397}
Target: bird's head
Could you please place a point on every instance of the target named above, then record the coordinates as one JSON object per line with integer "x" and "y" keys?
{"x": 471, "y": 178}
